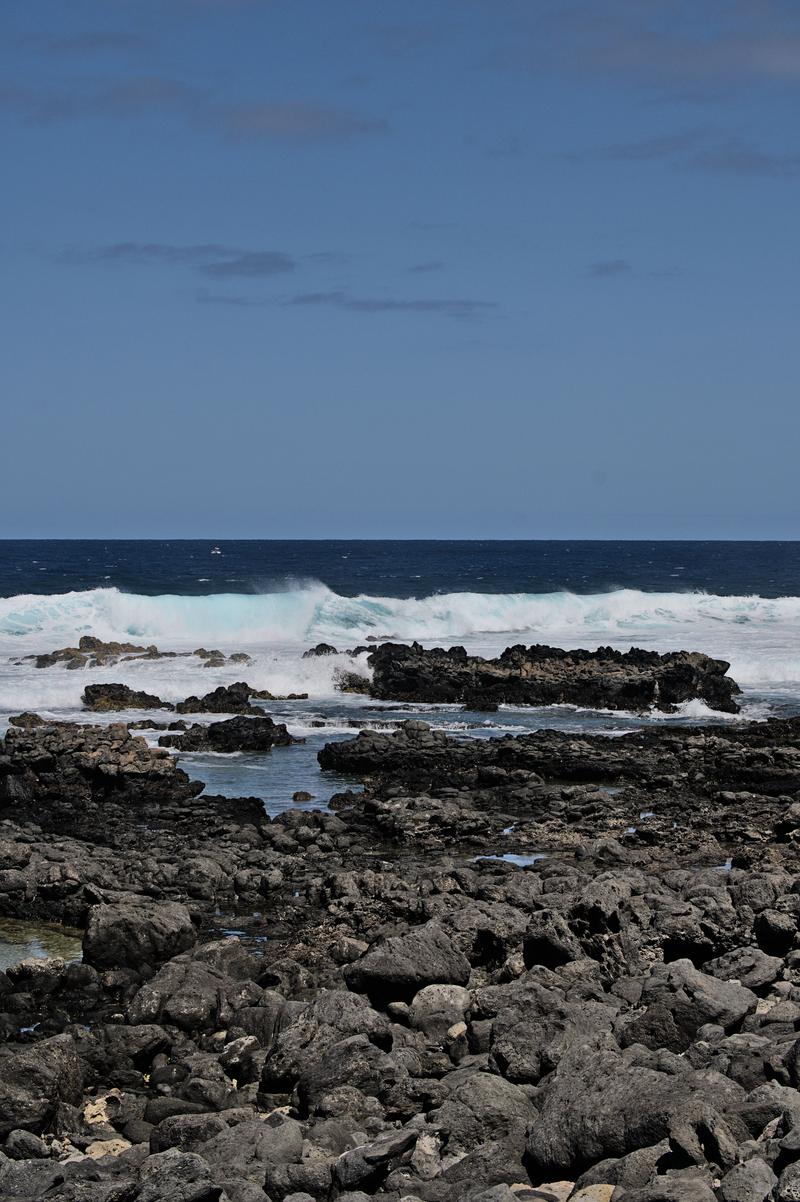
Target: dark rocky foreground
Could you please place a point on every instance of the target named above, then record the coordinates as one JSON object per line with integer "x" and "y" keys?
{"x": 618, "y": 1020}
{"x": 603, "y": 679}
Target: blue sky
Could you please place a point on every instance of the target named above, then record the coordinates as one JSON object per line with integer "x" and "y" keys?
{"x": 490, "y": 268}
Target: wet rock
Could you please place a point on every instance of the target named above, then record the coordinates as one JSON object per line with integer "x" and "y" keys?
{"x": 103, "y": 698}
{"x": 137, "y": 933}
{"x": 227, "y": 699}
{"x": 92, "y": 652}
{"x": 256, "y": 734}
{"x": 320, "y": 649}
{"x": 540, "y": 675}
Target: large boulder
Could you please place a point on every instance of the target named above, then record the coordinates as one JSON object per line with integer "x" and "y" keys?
{"x": 194, "y": 996}
{"x": 177, "y": 1176}
{"x": 306, "y": 1035}
{"x": 395, "y": 970}
{"x": 532, "y": 1027}
{"x": 136, "y": 933}
{"x": 241, "y": 1152}
{"x": 600, "y": 1103}
{"x": 33, "y": 1080}
{"x": 695, "y": 998}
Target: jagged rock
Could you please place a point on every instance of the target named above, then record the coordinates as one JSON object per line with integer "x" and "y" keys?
{"x": 320, "y": 649}
{"x": 541, "y": 675}
{"x": 749, "y": 966}
{"x": 601, "y": 1103}
{"x": 256, "y": 734}
{"x": 695, "y": 998}
{"x": 78, "y": 762}
{"x": 329, "y": 1020}
{"x": 398, "y": 968}
{"x": 243, "y": 1151}
{"x": 369, "y": 1164}
{"x": 91, "y": 652}
{"x": 103, "y": 698}
{"x": 788, "y": 1189}
{"x": 34, "y": 1080}
{"x": 189, "y": 994}
{"x": 227, "y": 699}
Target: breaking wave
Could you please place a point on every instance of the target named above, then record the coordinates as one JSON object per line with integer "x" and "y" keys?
{"x": 760, "y": 636}
{"x": 315, "y": 611}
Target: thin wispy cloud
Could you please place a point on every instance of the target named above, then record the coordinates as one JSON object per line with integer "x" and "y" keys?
{"x": 296, "y": 122}
{"x": 448, "y": 307}
{"x": 92, "y": 42}
{"x": 646, "y": 149}
{"x": 697, "y": 150}
{"x": 428, "y": 266}
{"x": 280, "y": 121}
{"x": 231, "y": 302}
{"x": 674, "y": 46}
{"x": 738, "y": 157}
{"x": 604, "y": 269}
{"x": 134, "y": 97}
{"x": 210, "y": 259}
{"x": 665, "y": 57}
{"x": 459, "y": 309}
{"x": 252, "y": 264}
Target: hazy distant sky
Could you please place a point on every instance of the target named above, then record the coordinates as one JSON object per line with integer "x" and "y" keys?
{"x": 508, "y": 268}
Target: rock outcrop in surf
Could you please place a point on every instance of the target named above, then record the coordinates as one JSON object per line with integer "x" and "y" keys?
{"x": 540, "y": 675}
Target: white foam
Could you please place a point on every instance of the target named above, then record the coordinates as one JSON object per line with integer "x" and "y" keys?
{"x": 759, "y": 636}
{"x": 314, "y": 611}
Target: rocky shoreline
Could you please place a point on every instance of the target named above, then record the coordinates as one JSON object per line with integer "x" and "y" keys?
{"x": 542, "y": 967}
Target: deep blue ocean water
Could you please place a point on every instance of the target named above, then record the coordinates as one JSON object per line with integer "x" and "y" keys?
{"x": 399, "y": 568}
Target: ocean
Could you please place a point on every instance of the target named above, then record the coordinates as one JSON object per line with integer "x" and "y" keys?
{"x": 275, "y": 599}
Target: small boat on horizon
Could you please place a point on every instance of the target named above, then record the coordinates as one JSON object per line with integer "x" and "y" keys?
{"x": 215, "y": 551}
